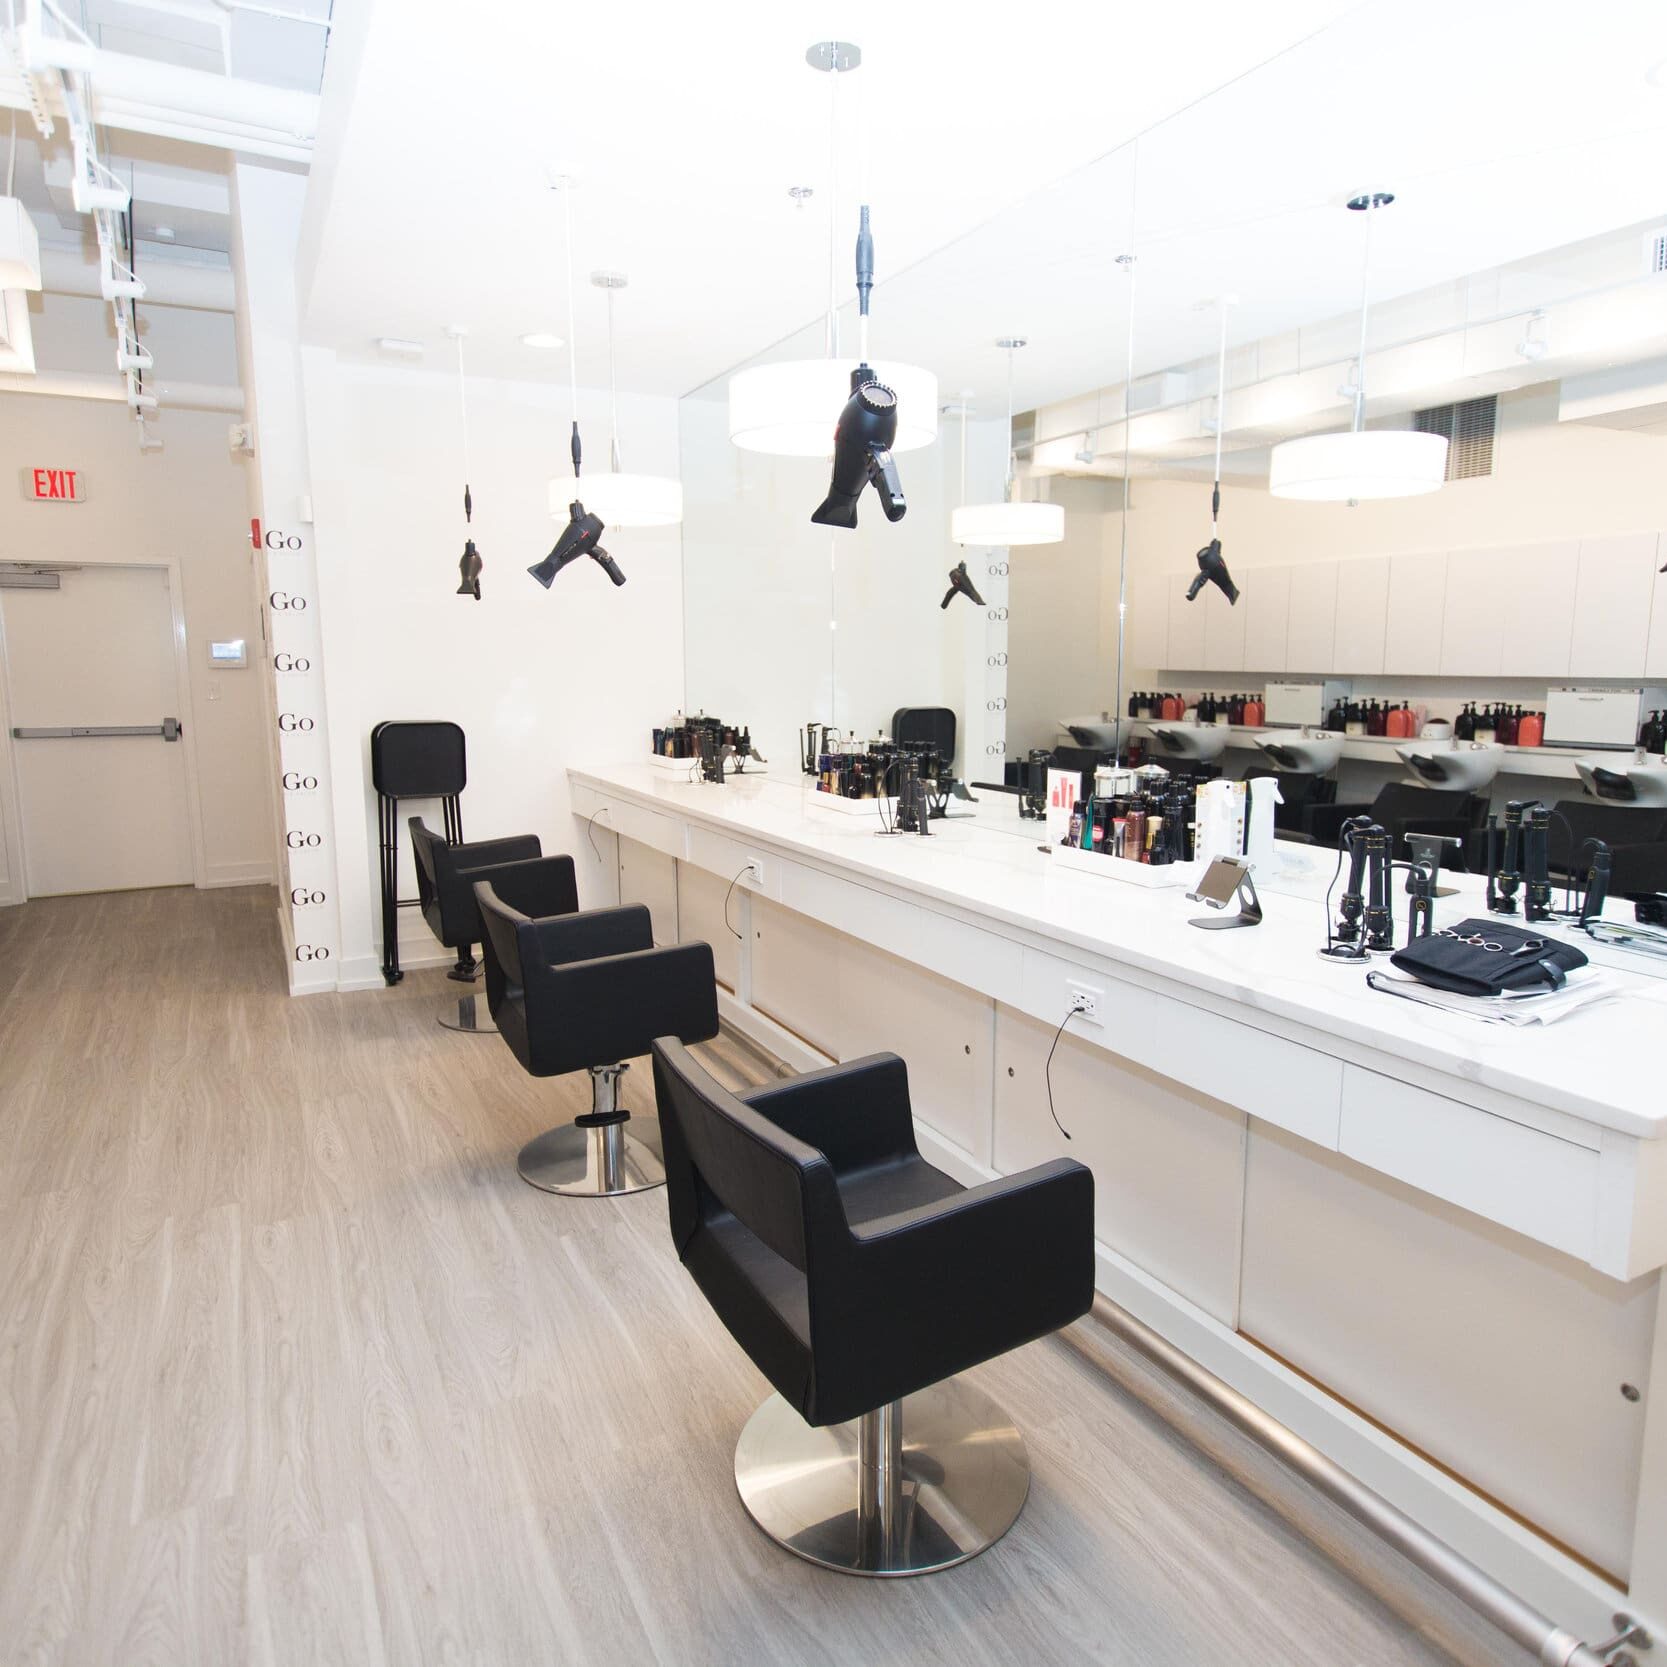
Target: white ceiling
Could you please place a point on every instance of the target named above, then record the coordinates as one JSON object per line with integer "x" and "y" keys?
{"x": 687, "y": 125}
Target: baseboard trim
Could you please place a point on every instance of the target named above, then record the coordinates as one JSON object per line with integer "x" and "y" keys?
{"x": 236, "y": 874}
{"x": 364, "y": 972}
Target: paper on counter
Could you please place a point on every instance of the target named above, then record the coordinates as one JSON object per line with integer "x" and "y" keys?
{"x": 1585, "y": 988}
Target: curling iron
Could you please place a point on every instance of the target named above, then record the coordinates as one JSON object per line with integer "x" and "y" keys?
{"x": 1535, "y": 863}
{"x": 1379, "y": 917}
{"x": 1504, "y": 869}
{"x": 1344, "y": 943}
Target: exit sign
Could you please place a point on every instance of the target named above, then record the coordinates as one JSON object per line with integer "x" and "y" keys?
{"x": 55, "y": 486}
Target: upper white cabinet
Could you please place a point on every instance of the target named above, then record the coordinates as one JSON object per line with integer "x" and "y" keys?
{"x": 1223, "y": 630}
{"x": 1146, "y": 627}
{"x": 1312, "y": 623}
{"x": 1413, "y": 615}
{"x": 1362, "y": 603}
{"x": 1186, "y": 628}
{"x": 1539, "y": 604}
{"x": 1265, "y": 601}
{"x": 1473, "y": 617}
{"x": 1613, "y": 597}
{"x": 1655, "y": 658}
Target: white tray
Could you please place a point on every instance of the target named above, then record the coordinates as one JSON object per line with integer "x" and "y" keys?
{"x": 871, "y": 808}
{"x": 1164, "y": 876}
{"x": 690, "y": 767}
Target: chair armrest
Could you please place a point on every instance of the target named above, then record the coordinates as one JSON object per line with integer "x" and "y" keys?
{"x": 1638, "y": 870}
{"x": 932, "y": 1291}
{"x": 615, "y": 1007}
{"x": 538, "y": 887}
{"x": 592, "y": 933}
{"x": 485, "y": 853}
{"x": 854, "y": 1114}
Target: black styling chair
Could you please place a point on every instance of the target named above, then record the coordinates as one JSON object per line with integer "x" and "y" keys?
{"x": 1402, "y": 808}
{"x": 859, "y": 1279}
{"x": 589, "y": 992}
{"x": 446, "y": 875}
{"x": 1635, "y": 834}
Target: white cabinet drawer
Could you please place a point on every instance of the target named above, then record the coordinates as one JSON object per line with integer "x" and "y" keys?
{"x": 727, "y": 858}
{"x": 1280, "y": 1081}
{"x": 648, "y": 827}
{"x": 1533, "y": 1183}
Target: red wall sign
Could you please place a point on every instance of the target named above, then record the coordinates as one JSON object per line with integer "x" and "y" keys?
{"x": 54, "y": 486}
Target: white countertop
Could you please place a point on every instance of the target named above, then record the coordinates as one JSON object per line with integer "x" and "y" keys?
{"x": 1602, "y": 1066}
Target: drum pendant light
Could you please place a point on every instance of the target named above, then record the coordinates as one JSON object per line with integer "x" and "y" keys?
{"x": 622, "y": 500}
{"x": 469, "y": 564}
{"x": 1010, "y": 522}
{"x": 1359, "y": 463}
{"x": 789, "y": 409}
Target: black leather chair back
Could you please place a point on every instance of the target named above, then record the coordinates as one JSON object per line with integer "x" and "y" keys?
{"x": 424, "y": 844}
{"x": 724, "y": 1158}
{"x": 508, "y": 932}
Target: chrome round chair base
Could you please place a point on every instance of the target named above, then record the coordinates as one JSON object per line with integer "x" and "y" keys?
{"x": 602, "y": 1162}
{"x": 468, "y": 1013}
{"x": 920, "y": 1485}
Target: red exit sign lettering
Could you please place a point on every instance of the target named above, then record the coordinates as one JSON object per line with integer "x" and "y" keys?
{"x": 54, "y": 486}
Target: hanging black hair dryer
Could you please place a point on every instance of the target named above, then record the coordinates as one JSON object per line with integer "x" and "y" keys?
{"x": 1212, "y": 570}
{"x": 469, "y": 565}
{"x": 579, "y": 538}
{"x": 867, "y": 426}
{"x": 862, "y": 454}
{"x": 961, "y": 585}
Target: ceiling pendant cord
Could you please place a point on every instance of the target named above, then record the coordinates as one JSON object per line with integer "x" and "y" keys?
{"x": 832, "y": 331}
{"x": 457, "y": 333}
{"x": 1369, "y": 203}
{"x": 1221, "y": 412}
{"x": 613, "y": 392}
{"x": 566, "y": 189}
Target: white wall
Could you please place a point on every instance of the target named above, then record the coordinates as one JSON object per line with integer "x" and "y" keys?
{"x": 186, "y": 501}
{"x": 538, "y": 680}
{"x": 789, "y": 622}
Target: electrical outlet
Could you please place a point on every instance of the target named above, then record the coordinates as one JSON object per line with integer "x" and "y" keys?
{"x": 753, "y": 874}
{"x": 1085, "y": 1001}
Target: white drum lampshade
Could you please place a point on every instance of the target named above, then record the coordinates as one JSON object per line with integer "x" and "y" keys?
{"x": 790, "y": 409}
{"x": 1007, "y": 524}
{"x": 1358, "y": 464}
{"x": 621, "y": 500}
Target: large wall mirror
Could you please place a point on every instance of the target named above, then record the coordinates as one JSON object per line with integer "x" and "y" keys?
{"x": 1520, "y": 311}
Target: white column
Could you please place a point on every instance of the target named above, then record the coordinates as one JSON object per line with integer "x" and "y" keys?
{"x": 266, "y": 224}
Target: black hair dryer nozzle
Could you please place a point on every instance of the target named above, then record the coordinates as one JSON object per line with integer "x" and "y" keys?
{"x": 961, "y": 585}
{"x": 469, "y": 565}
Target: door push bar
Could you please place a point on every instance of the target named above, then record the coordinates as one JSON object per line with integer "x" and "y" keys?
{"x": 169, "y": 729}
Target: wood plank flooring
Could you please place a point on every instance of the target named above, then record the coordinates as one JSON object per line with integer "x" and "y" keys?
{"x": 295, "y": 1369}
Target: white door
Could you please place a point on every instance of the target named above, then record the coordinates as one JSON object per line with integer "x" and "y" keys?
{"x": 98, "y": 812}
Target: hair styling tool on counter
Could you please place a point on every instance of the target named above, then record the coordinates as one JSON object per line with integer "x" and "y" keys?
{"x": 1427, "y": 848}
{"x": 1343, "y": 941}
{"x": 1535, "y": 864}
{"x": 1505, "y": 860}
{"x": 1379, "y": 918}
{"x": 961, "y": 585}
{"x": 1596, "y": 889}
{"x": 868, "y": 424}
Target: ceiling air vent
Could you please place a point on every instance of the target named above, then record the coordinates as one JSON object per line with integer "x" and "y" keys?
{"x": 1655, "y": 253}
{"x": 1468, "y": 427}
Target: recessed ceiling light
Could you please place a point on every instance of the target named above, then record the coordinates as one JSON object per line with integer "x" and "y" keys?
{"x": 545, "y": 339}
{"x": 166, "y": 233}
{"x": 399, "y": 347}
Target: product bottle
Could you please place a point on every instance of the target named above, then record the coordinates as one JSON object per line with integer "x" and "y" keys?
{"x": 1255, "y": 712}
{"x": 1505, "y": 726}
{"x": 1354, "y": 719}
{"x": 1531, "y": 731}
{"x": 1224, "y": 711}
{"x": 1376, "y": 719}
{"x": 1394, "y": 725}
{"x": 1464, "y": 725}
{"x": 1487, "y": 728}
{"x": 1337, "y": 719}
